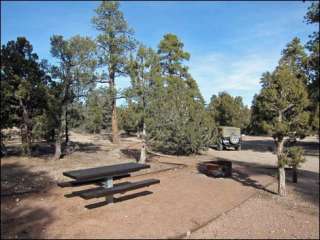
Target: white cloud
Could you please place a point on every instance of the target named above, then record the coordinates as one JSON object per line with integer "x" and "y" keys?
{"x": 240, "y": 75}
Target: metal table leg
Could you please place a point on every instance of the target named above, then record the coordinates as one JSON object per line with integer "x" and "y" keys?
{"x": 108, "y": 184}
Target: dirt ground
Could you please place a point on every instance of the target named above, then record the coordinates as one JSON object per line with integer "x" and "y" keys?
{"x": 186, "y": 203}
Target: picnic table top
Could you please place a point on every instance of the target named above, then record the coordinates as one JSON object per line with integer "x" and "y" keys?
{"x": 105, "y": 171}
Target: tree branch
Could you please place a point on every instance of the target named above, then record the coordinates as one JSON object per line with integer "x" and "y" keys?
{"x": 287, "y": 108}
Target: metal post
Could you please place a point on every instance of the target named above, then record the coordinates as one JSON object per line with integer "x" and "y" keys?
{"x": 108, "y": 184}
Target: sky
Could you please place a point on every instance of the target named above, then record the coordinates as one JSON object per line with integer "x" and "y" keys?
{"x": 231, "y": 43}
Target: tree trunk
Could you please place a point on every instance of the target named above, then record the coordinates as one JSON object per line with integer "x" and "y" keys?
{"x": 143, "y": 155}
{"x": 66, "y": 127}
{"x": 294, "y": 174}
{"x": 115, "y": 136}
{"x": 26, "y": 129}
{"x": 281, "y": 170}
{"x": 52, "y": 135}
{"x": 114, "y": 122}
{"x": 281, "y": 163}
{"x": 58, "y": 151}
{"x": 282, "y": 182}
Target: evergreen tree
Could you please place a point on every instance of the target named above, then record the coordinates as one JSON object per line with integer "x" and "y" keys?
{"x": 23, "y": 88}
{"x": 284, "y": 99}
{"x": 295, "y": 57}
{"x": 176, "y": 118}
{"x": 107, "y": 110}
{"x": 313, "y": 65}
{"x": 97, "y": 111}
{"x": 130, "y": 118}
{"x": 141, "y": 70}
{"x": 114, "y": 42}
{"x": 226, "y": 110}
{"x": 75, "y": 71}
{"x": 94, "y": 111}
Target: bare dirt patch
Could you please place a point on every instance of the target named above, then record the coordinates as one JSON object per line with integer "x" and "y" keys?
{"x": 183, "y": 201}
{"x": 266, "y": 216}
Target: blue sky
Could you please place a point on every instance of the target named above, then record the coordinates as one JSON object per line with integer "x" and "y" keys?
{"x": 231, "y": 43}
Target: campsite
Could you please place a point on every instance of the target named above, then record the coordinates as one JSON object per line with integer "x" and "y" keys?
{"x": 106, "y": 134}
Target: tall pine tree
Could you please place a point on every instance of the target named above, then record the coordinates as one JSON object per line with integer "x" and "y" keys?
{"x": 176, "y": 118}
{"x": 115, "y": 41}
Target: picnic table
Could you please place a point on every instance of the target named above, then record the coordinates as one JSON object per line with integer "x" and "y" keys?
{"x": 105, "y": 176}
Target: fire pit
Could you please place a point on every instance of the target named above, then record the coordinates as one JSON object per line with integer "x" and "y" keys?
{"x": 220, "y": 168}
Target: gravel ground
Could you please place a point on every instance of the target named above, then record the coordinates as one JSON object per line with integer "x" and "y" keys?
{"x": 185, "y": 200}
{"x": 267, "y": 215}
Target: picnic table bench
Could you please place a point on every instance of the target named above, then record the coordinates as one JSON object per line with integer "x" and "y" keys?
{"x": 105, "y": 176}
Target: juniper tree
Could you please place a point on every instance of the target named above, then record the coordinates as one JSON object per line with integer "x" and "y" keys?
{"x": 295, "y": 58}
{"x": 75, "y": 71}
{"x": 142, "y": 71}
{"x": 294, "y": 158}
{"x": 115, "y": 41}
{"x": 284, "y": 99}
{"x": 23, "y": 88}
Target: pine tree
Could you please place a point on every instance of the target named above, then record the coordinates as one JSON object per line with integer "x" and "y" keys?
{"x": 226, "y": 110}
{"x": 313, "y": 65}
{"x": 176, "y": 118}
{"x": 295, "y": 57}
{"x": 114, "y": 42}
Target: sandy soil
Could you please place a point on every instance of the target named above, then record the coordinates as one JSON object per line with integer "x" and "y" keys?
{"x": 186, "y": 203}
{"x": 266, "y": 216}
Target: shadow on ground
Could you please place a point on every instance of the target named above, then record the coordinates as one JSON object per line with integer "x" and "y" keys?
{"x": 243, "y": 176}
{"x": 310, "y": 148}
{"x": 308, "y": 182}
{"x": 307, "y": 187}
{"x": 258, "y": 145}
{"x": 245, "y": 180}
{"x": 17, "y": 184}
{"x": 134, "y": 153}
{"x": 119, "y": 199}
{"x": 84, "y": 147}
{"x": 131, "y": 153}
{"x": 46, "y": 150}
